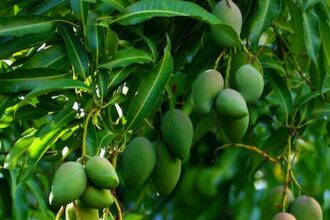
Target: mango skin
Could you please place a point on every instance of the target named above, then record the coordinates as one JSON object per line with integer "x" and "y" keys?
{"x": 206, "y": 182}
{"x": 229, "y": 15}
{"x": 231, "y": 103}
{"x": 85, "y": 212}
{"x": 249, "y": 83}
{"x": 235, "y": 129}
{"x": 69, "y": 183}
{"x": 97, "y": 198}
{"x": 306, "y": 208}
{"x": 101, "y": 173}
{"x": 167, "y": 171}
{"x": 139, "y": 159}
{"x": 204, "y": 90}
{"x": 273, "y": 200}
{"x": 283, "y": 216}
{"x": 177, "y": 131}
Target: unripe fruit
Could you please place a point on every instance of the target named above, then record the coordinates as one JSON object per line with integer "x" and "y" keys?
{"x": 85, "y": 212}
{"x": 228, "y": 12}
{"x": 231, "y": 103}
{"x": 235, "y": 129}
{"x": 283, "y": 216}
{"x": 97, "y": 198}
{"x": 167, "y": 171}
{"x": 101, "y": 173}
{"x": 306, "y": 208}
{"x": 177, "y": 131}
{"x": 69, "y": 183}
{"x": 206, "y": 182}
{"x": 204, "y": 90}
{"x": 249, "y": 83}
{"x": 139, "y": 159}
{"x": 273, "y": 201}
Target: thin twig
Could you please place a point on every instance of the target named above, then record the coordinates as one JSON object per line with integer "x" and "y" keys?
{"x": 60, "y": 213}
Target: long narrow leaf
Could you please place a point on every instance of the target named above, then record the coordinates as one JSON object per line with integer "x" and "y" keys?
{"x": 24, "y": 24}
{"x": 95, "y": 36}
{"x": 120, "y": 5}
{"x": 150, "y": 89}
{"x": 146, "y": 9}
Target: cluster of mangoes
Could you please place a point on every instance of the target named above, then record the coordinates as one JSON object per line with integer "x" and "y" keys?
{"x": 160, "y": 160}
{"x": 231, "y": 104}
{"x": 84, "y": 189}
{"x": 300, "y": 208}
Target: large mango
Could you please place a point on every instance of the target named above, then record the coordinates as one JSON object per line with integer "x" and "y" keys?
{"x": 306, "y": 208}
{"x": 177, "y": 131}
{"x": 204, "y": 90}
{"x": 101, "y": 173}
{"x": 69, "y": 183}
{"x": 234, "y": 129}
{"x": 167, "y": 171}
{"x": 139, "y": 159}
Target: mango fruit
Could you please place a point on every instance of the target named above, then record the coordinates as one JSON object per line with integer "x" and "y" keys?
{"x": 273, "y": 201}
{"x": 227, "y": 12}
{"x": 139, "y": 159}
{"x": 167, "y": 170}
{"x": 69, "y": 183}
{"x": 97, "y": 198}
{"x": 306, "y": 208}
{"x": 249, "y": 83}
{"x": 235, "y": 129}
{"x": 283, "y": 216}
{"x": 101, "y": 173}
{"x": 231, "y": 103}
{"x": 206, "y": 182}
{"x": 177, "y": 131}
{"x": 204, "y": 90}
{"x": 84, "y": 212}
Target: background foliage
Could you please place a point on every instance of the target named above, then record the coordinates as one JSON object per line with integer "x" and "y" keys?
{"x": 66, "y": 67}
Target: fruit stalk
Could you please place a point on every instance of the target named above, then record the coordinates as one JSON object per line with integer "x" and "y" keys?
{"x": 288, "y": 172}
{"x": 60, "y": 213}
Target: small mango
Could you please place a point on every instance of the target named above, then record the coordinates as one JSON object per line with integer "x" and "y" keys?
{"x": 97, "y": 198}
{"x": 306, "y": 208}
{"x": 231, "y": 103}
{"x": 84, "y": 212}
{"x": 177, "y": 131}
{"x": 234, "y": 129}
{"x": 283, "y": 216}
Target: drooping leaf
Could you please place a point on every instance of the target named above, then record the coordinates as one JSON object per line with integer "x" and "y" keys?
{"x": 102, "y": 80}
{"x": 20, "y": 25}
{"x": 325, "y": 36}
{"x": 76, "y": 52}
{"x": 127, "y": 57}
{"x": 267, "y": 11}
{"x": 92, "y": 140}
{"x": 118, "y": 76}
{"x": 150, "y": 89}
{"x": 146, "y": 9}
{"x": 80, "y": 10}
{"x": 20, "y": 80}
{"x": 110, "y": 43}
{"x": 311, "y": 34}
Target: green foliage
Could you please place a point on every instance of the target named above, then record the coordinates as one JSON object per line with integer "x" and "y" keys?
{"x": 87, "y": 80}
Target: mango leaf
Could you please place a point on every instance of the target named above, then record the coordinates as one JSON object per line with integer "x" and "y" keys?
{"x": 149, "y": 42}
{"x": 55, "y": 85}
{"x": 203, "y": 126}
{"x": 94, "y": 35}
{"x": 50, "y": 57}
{"x": 118, "y": 76}
{"x": 20, "y": 80}
{"x": 267, "y": 11}
{"x": 150, "y": 90}
{"x": 146, "y": 9}
{"x": 76, "y": 52}
{"x": 105, "y": 138}
{"x": 311, "y": 34}
{"x": 80, "y": 10}
{"x": 102, "y": 79}
{"x": 119, "y": 5}
{"x": 281, "y": 94}
{"x": 20, "y": 25}
{"x": 298, "y": 42}
{"x": 325, "y": 36}
{"x": 19, "y": 43}
{"x": 92, "y": 140}
{"x": 310, "y": 3}
{"x": 127, "y": 57}
{"x": 46, "y": 6}
{"x": 110, "y": 43}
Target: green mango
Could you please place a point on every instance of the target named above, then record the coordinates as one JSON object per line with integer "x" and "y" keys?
{"x": 283, "y": 216}
{"x": 167, "y": 171}
{"x": 85, "y": 212}
{"x": 204, "y": 90}
{"x": 177, "y": 131}
{"x": 97, "y": 198}
{"x": 69, "y": 183}
{"x": 306, "y": 208}
{"x": 273, "y": 201}
{"x": 139, "y": 159}
{"x": 249, "y": 83}
{"x": 101, "y": 173}
{"x": 206, "y": 182}
{"x": 231, "y": 103}
{"x": 227, "y": 12}
{"x": 235, "y": 129}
